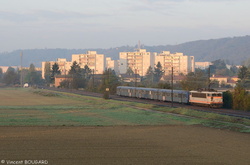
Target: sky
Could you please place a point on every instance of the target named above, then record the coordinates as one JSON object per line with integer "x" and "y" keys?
{"x": 82, "y": 24}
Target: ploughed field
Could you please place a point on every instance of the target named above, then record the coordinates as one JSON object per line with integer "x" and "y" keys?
{"x": 71, "y": 129}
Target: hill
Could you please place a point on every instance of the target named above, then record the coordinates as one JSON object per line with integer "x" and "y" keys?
{"x": 233, "y": 50}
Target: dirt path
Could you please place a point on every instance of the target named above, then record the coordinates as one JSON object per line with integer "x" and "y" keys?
{"x": 124, "y": 145}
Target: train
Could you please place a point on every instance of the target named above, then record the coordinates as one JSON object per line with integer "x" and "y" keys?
{"x": 212, "y": 99}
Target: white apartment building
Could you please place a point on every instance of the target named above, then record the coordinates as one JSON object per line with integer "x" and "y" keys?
{"x": 64, "y": 66}
{"x": 139, "y": 61}
{"x": 5, "y": 68}
{"x": 112, "y": 64}
{"x": 93, "y": 60}
{"x": 180, "y": 63}
{"x": 202, "y": 65}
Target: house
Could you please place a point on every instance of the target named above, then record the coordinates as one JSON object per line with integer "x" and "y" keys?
{"x": 61, "y": 78}
{"x": 232, "y": 81}
{"x": 220, "y": 79}
{"x": 235, "y": 78}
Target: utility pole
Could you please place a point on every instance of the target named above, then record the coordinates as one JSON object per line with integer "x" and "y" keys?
{"x": 108, "y": 90}
{"x": 107, "y": 84}
{"x": 21, "y": 67}
{"x": 209, "y": 78}
{"x": 135, "y": 81}
{"x": 172, "y": 87}
{"x": 93, "y": 79}
{"x": 135, "y": 77}
{"x": 65, "y": 70}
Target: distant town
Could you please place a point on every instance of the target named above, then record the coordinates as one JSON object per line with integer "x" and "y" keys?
{"x": 139, "y": 62}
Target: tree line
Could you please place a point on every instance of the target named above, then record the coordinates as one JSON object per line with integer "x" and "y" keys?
{"x": 83, "y": 78}
{"x": 16, "y": 77}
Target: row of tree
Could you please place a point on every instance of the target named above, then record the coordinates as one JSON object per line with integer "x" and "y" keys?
{"x": 19, "y": 76}
{"x": 239, "y": 96}
{"x": 220, "y": 68}
{"x": 83, "y": 78}
{"x": 238, "y": 99}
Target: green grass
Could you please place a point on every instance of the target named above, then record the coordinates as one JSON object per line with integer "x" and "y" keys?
{"x": 66, "y": 109}
{"x": 106, "y": 115}
{"x": 205, "y": 115}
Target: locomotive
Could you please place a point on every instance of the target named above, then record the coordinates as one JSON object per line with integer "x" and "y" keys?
{"x": 203, "y": 98}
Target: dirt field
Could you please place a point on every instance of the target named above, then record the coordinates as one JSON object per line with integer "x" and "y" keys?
{"x": 77, "y": 130}
{"x": 124, "y": 145}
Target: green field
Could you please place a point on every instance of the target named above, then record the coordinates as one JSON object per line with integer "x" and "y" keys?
{"x": 31, "y": 107}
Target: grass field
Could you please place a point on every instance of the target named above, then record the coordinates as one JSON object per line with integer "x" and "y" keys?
{"x": 64, "y": 128}
{"x": 30, "y": 107}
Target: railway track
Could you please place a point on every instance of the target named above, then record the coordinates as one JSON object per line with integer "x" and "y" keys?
{"x": 229, "y": 112}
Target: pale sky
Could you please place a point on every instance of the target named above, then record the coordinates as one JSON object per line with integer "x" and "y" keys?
{"x": 80, "y": 24}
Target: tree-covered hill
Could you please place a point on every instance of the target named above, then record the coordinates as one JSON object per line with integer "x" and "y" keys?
{"x": 233, "y": 50}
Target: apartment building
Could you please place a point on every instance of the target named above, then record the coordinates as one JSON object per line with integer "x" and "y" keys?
{"x": 139, "y": 61}
{"x": 112, "y": 64}
{"x": 180, "y": 63}
{"x": 64, "y": 66}
{"x": 202, "y": 65}
{"x": 93, "y": 60}
{"x": 5, "y": 68}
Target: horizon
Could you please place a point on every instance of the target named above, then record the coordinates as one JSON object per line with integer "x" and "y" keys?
{"x": 101, "y": 24}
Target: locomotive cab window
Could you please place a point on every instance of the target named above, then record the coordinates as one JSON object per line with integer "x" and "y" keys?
{"x": 200, "y": 95}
